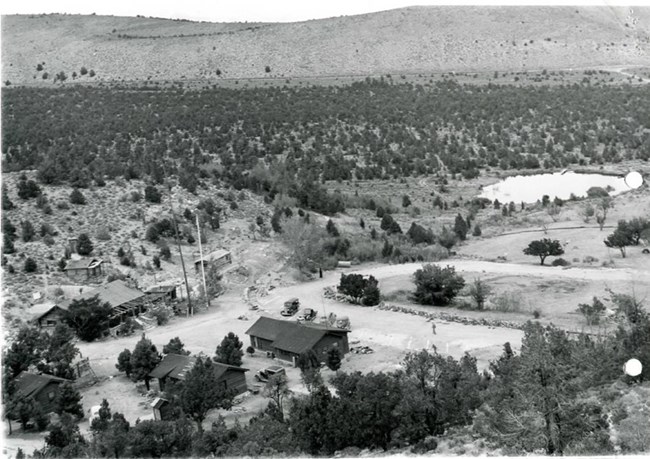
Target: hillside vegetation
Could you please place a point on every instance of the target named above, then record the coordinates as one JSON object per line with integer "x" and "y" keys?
{"x": 416, "y": 39}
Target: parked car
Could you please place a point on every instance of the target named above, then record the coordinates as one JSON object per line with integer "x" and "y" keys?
{"x": 266, "y": 373}
{"x": 308, "y": 314}
{"x": 291, "y": 307}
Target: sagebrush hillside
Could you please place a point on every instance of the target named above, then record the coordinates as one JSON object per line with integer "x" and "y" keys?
{"x": 416, "y": 39}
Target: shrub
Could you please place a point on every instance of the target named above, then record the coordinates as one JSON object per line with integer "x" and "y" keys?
{"x": 30, "y": 265}
{"x": 128, "y": 327}
{"x": 250, "y": 350}
{"x": 84, "y": 244}
{"x": 437, "y": 286}
{"x": 77, "y": 197}
{"x": 560, "y": 262}
{"x": 161, "y": 315}
{"x": 151, "y": 194}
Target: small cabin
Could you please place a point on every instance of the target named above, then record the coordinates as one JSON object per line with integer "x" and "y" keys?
{"x": 218, "y": 259}
{"x": 85, "y": 269}
{"x": 43, "y": 389}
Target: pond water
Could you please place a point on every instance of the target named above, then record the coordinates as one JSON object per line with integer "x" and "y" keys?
{"x": 530, "y": 188}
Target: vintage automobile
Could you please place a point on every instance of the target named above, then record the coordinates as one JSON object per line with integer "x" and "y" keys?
{"x": 264, "y": 375}
{"x": 291, "y": 307}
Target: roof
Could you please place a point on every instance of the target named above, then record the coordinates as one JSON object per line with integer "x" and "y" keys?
{"x": 39, "y": 310}
{"x": 175, "y": 366}
{"x": 160, "y": 288}
{"x": 158, "y": 402}
{"x": 301, "y": 340}
{"x": 217, "y": 254}
{"x": 288, "y": 335}
{"x": 115, "y": 293}
{"x": 30, "y": 384}
{"x": 83, "y": 263}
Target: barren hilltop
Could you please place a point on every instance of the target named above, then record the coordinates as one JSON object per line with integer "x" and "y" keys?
{"x": 409, "y": 40}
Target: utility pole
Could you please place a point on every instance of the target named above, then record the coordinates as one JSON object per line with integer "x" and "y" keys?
{"x": 178, "y": 243}
{"x": 205, "y": 287}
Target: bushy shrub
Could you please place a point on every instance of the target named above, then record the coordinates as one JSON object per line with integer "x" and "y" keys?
{"x": 77, "y": 197}
{"x": 560, "y": 262}
{"x": 30, "y": 265}
{"x": 161, "y": 315}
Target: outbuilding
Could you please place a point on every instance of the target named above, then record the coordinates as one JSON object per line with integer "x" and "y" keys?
{"x": 218, "y": 259}
{"x": 84, "y": 269}
{"x": 43, "y": 389}
{"x": 174, "y": 367}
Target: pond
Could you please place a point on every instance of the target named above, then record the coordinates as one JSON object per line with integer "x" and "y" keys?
{"x": 530, "y": 188}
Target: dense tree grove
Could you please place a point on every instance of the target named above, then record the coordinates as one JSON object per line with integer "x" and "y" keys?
{"x": 276, "y": 139}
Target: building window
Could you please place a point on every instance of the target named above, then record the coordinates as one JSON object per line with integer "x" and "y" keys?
{"x": 50, "y": 395}
{"x": 50, "y": 323}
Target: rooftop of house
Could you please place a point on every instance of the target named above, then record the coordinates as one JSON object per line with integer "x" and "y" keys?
{"x": 83, "y": 263}
{"x": 30, "y": 384}
{"x": 116, "y": 293}
{"x": 176, "y": 366}
{"x": 217, "y": 254}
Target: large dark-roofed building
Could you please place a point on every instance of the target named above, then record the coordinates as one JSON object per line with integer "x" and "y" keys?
{"x": 287, "y": 340}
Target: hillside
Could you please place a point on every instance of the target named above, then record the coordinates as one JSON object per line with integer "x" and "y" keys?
{"x": 416, "y": 39}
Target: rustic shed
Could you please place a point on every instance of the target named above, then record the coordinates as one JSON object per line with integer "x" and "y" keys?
{"x": 43, "y": 389}
{"x": 218, "y": 258}
{"x": 174, "y": 367}
{"x": 47, "y": 315}
{"x": 84, "y": 269}
{"x": 288, "y": 339}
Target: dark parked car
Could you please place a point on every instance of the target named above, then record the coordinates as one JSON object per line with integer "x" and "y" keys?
{"x": 266, "y": 373}
{"x": 291, "y": 307}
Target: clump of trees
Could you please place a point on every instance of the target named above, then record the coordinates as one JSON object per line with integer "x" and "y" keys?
{"x": 544, "y": 248}
{"x": 436, "y": 286}
{"x": 361, "y": 289}
{"x": 628, "y": 233}
{"x": 88, "y": 317}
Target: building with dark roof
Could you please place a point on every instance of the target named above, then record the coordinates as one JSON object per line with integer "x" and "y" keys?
{"x": 174, "y": 367}
{"x": 84, "y": 269}
{"x": 47, "y": 315}
{"x": 43, "y": 389}
{"x": 288, "y": 339}
{"x": 123, "y": 299}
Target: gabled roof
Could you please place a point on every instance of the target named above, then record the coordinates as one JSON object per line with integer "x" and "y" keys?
{"x": 40, "y": 310}
{"x": 115, "y": 293}
{"x": 30, "y": 384}
{"x": 217, "y": 254}
{"x": 290, "y": 336}
{"x": 83, "y": 263}
{"x": 176, "y": 366}
{"x": 300, "y": 340}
